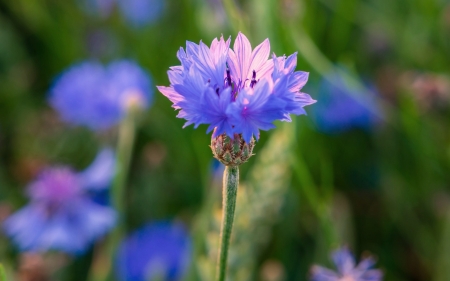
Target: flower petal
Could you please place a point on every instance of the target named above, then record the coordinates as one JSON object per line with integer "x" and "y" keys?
{"x": 214, "y": 110}
{"x": 101, "y": 171}
{"x": 240, "y": 59}
{"x": 255, "y": 109}
{"x": 319, "y": 273}
{"x": 344, "y": 260}
{"x": 259, "y": 62}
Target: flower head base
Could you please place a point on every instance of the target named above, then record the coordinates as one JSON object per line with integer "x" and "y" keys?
{"x": 237, "y": 91}
{"x": 232, "y": 152}
{"x": 347, "y": 269}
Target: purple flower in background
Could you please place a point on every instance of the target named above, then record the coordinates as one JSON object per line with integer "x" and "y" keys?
{"x": 343, "y": 106}
{"x": 61, "y": 215}
{"x": 101, "y": 8}
{"x": 157, "y": 251}
{"x": 139, "y": 13}
{"x": 347, "y": 270}
{"x": 238, "y": 91}
{"x": 98, "y": 97}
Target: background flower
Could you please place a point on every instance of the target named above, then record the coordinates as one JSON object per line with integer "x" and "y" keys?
{"x": 347, "y": 270}
{"x": 139, "y": 13}
{"x": 98, "y": 97}
{"x": 61, "y": 215}
{"x": 344, "y": 106}
{"x": 157, "y": 251}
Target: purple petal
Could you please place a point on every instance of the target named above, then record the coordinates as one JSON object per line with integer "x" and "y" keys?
{"x": 172, "y": 95}
{"x": 191, "y": 49}
{"x": 297, "y": 80}
{"x": 163, "y": 248}
{"x": 129, "y": 81}
{"x": 61, "y": 234}
{"x": 25, "y": 226}
{"x": 344, "y": 260}
{"x": 191, "y": 91}
{"x": 75, "y": 226}
{"x": 372, "y": 275}
{"x": 319, "y": 273}
{"x": 176, "y": 74}
{"x": 259, "y": 60}
{"x": 101, "y": 171}
{"x": 291, "y": 63}
{"x": 214, "y": 111}
{"x": 96, "y": 220}
{"x": 212, "y": 68}
{"x": 255, "y": 109}
{"x": 366, "y": 263}
{"x": 239, "y": 60}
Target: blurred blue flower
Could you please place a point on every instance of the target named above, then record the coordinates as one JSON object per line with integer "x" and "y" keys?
{"x": 101, "y": 8}
{"x": 60, "y": 215}
{"x": 139, "y": 13}
{"x": 158, "y": 250}
{"x": 343, "y": 106}
{"x": 347, "y": 269}
{"x": 98, "y": 97}
{"x": 238, "y": 91}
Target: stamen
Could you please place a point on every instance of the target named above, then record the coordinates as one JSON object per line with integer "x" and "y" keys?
{"x": 228, "y": 77}
{"x": 253, "y": 82}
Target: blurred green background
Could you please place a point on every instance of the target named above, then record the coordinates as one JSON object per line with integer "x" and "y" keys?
{"x": 384, "y": 190}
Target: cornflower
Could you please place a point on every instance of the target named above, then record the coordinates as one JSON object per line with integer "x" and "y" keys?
{"x": 344, "y": 107}
{"x": 61, "y": 215}
{"x": 99, "y": 97}
{"x": 137, "y": 13}
{"x": 158, "y": 251}
{"x": 237, "y": 92}
{"x": 347, "y": 270}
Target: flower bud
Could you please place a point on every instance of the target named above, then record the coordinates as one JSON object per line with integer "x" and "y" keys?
{"x": 232, "y": 152}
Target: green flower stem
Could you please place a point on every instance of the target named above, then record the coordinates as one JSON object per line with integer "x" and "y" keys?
{"x": 230, "y": 186}
{"x": 2, "y": 273}
{"x": 124, "y": 150}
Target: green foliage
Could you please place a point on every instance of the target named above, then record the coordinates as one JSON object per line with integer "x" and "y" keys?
{"x": 304, "y": 192}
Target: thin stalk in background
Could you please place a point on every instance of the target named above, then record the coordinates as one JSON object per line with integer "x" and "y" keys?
{"x": 230, "y": 186}
{"x": 2, "y": 273}
{"x": 124, "y": 150}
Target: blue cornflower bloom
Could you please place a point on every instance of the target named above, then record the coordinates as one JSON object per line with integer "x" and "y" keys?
{"x": 343, "y": 106}
{"x": 347, "y": 269}
{"x": 98, "y": 97}
{"x": 239, "y": 91}
{"x": 139, "y": 13}
{"x": 101, "y": 8}
{"x": 61, "y": 215}
{"x": 157, "y": 251}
